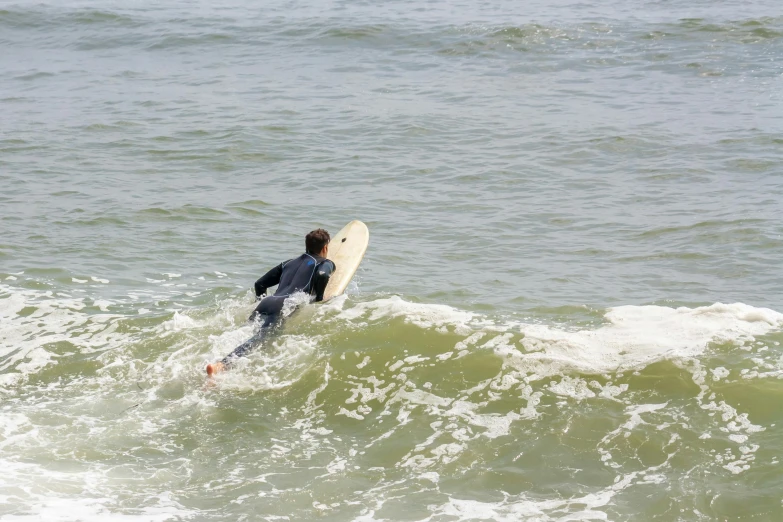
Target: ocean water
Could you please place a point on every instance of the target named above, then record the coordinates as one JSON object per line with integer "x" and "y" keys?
{"x": 572, "y": 303}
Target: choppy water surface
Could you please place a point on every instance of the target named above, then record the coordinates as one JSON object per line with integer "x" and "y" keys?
{"x": 571, "y": 304}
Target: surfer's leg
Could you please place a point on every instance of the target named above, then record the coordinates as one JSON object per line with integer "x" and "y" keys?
{"x": 269, "y": 324}
{"x": 257, "y": 313}
{"x": 271, "y": 305}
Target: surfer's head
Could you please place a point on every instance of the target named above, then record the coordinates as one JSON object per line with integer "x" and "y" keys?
{"x": 316, "y": 241}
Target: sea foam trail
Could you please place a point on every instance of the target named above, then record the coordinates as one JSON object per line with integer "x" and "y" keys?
{"x": 637, "y": 336}
{"x": 633, "y": 336}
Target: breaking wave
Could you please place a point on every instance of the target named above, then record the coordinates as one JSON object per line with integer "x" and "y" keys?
{"x": 410, "y": 403}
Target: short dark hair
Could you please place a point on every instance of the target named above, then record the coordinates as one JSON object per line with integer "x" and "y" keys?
{"x": 316, "y": 240}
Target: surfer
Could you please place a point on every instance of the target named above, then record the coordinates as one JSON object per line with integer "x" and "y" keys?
{"x": 308, "y": 273}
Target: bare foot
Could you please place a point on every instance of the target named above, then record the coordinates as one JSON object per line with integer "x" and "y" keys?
{"x": 215, "y": 368}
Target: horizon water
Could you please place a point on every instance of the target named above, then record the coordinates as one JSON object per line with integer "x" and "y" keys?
{"x": 571, "y": 307}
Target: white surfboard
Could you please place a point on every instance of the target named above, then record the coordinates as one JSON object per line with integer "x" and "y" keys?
{"x": 346, "y": 249}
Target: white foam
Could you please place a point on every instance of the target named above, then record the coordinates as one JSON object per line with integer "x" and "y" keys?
{"x": 103, "y": 305}
{"x": 276, "y": 364}
{"x": 47, "y": 320}
{"x": 43, "y": 501}
{"x": 295, "y": 301}
{"x": 515, "y": 508}
{"x": 333, "y": 305}
{"x": 571, "y": 387}
{"x": 719, "y": 373}
{"x": 635, "y": 413}
{"x": 421, "y": 315}
{"x": 63, "y": 509}
{"x": 632, "y": 338}
{"x": 637, "y": 336}
{"x": 180, "y": 321}
{"x": 459, "y": 422}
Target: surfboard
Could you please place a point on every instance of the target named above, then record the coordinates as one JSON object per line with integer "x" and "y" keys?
{"x": 346, "y": 250}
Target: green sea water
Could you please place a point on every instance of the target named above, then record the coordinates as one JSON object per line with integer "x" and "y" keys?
{"x": 571, "y": 304}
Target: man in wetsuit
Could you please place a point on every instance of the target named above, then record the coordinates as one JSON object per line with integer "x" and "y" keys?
{"x": 308, "y": 273}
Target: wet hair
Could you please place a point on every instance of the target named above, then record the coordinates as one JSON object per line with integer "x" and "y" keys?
{"x": 316, "y": 240}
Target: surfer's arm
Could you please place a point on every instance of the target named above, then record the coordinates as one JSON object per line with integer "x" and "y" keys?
{"x": 271, "y": 278}
{"x": 321, "y": 279}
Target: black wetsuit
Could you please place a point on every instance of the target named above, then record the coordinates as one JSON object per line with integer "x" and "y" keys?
{"x": 306, "y": 273}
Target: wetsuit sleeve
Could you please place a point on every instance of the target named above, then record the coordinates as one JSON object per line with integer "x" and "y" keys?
{"x": 271, "y": 278}
{"x": 321, "y": 279}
